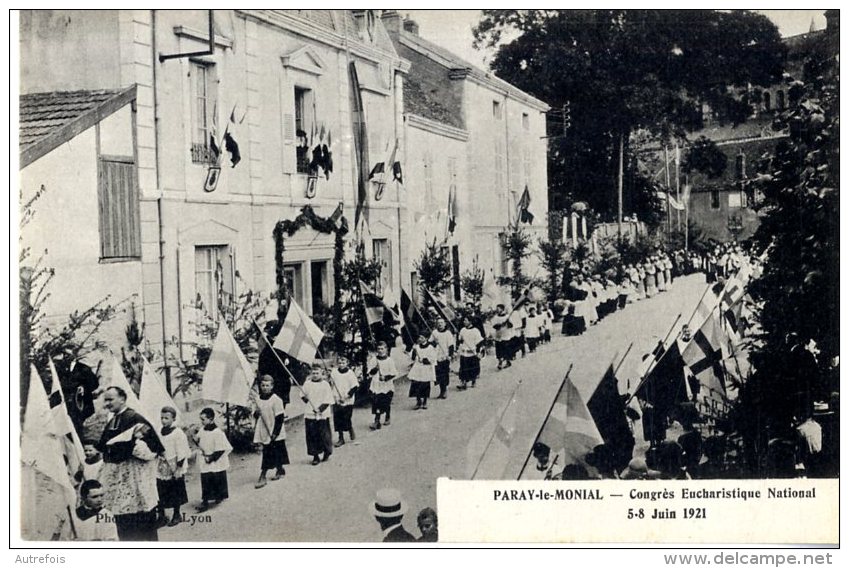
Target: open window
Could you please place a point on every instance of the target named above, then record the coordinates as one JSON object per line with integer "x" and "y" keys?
{"x": 204, "y": 93}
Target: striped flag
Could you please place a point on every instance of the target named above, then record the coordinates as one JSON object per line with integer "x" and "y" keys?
{"x": 488, "y": 450}
{"x": 300, "y": 336}
{"x": 443, "y": 310}
{"x": 570, "y": 430}
{"x": 376, "y": 309}
{"x": 523, "y": 214}
{"x": 608, "y": 411}
{"x": 413, "y": 322}
{"x": 62, "y": 427}
{"x": 228, "y": 376}
{"x": 153, "y": 395}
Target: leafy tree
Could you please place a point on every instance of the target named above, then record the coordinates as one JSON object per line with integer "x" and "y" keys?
{"x": 471, "y": 282}
{"x": 625, "y": 70}
{"x": 554, "y": 256}
{"x": 434, "y": 268}
{"x": 705, "y": 156}
{"x": 799, "y": 236}
{"x": 516, "y": 244}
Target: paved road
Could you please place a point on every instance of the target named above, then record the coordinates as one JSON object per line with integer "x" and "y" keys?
{"x": 329, "y": 502}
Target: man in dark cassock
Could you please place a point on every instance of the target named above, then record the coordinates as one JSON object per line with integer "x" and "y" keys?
{"x": 78, "y": 383}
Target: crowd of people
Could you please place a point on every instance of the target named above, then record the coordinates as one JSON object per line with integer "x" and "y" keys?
{"x": 136, "y": 475}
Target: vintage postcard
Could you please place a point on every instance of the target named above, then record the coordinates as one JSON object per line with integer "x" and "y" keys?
{"x": 461, "y": 277}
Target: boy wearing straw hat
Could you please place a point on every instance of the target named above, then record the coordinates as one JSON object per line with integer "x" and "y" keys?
{"x": 388, "y": 509}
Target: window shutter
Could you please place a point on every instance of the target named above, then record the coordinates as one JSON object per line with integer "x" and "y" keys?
{"x": 287, "y": 125}
{"x": 118, "y": 203}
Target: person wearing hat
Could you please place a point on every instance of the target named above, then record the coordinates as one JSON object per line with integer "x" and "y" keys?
{"x": 388, "y": 509}
{"x": 637, "y": 469}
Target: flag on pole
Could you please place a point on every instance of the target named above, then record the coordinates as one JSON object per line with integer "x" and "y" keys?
{"x": 607, "y": 408}
{"x": 336, "y": 217}
{"x": 488, "y": 450}
{"x": 300, "y": 336}
{"x": 703, "y": 356}
{"x": 413, "y": 321}
{"x": 41, "y": 449}
{"x": 228, "y": 376}
{"x": 523, "y": 213}
{"x": 443, "y": 310}
{"x": 569, "y": 430}
{"x": 664, "y": 386}
{"x": 374, "y": 308}
{"x": 492, "y": 293}
{"x": 358, "y": 126}
{"x": 452, "y": 208}
{"x": 63, "y": 428}
{"x": 732, "y": 293}
{"x": 153, "y": 395}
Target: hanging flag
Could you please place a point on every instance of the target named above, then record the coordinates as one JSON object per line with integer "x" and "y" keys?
{"x": 664, "y": 385}
{"x": 569, "y": 430}
{"x": 336, "y": 217}
{"x": 63, "y": 428}
{"x": 228, "y": 376}
{"x": 153, "y": 396}
{"x": 523, "y": 214}
{"x": 703, "y": 356}
{"x": 381, "y": 171}
{"x": 444, "y": 311}
{"x": 452, "y": 208}
{"x": 397, "y": 175}
{"x": 230, "y": 143}
{"x": 488, "y": 450}
{"x": 667, "y": 198}
{"x": 300, "y": 336}
{"x": 607, "y": 408}
{"x": 358, "y": 124}
{"x": 41, "y": 448}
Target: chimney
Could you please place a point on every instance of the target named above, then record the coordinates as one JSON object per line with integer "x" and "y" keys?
{"x": 391, "y": 21}
{"x": 411, "y": 26}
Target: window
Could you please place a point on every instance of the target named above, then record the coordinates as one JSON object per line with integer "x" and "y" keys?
{"x": 736, "y": 199}
{"x": 320, "y": 289}
{"x": 714, "y": 199}
{"x": 780, "y": 101}
{"x": 499, "y": 165}
{"x": 293, "y": 276}
{"x": 740, "y": 165}
{"x": 496, "y": 110}
{"x": 526, "y": 165}
{"x": 452, "y": 178}
{"x": 767, "y": 101}
{"x": 118, "y": 204}
{"x": 203, "y": 103}
{"x": 382, "y": 253}
{"x": 526, "y": 121}
{"x": 214, "y": 278}
{"x": 304, "y": 129}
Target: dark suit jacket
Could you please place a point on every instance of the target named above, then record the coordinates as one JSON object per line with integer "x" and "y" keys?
{"x": 399, "y": 534}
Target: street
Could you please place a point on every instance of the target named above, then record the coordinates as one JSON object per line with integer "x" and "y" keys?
{"x": 330, "y": 502}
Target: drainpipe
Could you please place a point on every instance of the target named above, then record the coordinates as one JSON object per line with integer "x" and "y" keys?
{"x": 154, "y": 63}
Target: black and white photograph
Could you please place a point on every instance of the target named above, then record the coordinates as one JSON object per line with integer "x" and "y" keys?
{"x": 282, "y": 270}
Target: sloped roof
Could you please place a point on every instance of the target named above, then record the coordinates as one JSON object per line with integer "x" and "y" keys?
{"x": 452, "y": 61}
{"x": 347, "y": 27}
{"x": 48, "y": 120}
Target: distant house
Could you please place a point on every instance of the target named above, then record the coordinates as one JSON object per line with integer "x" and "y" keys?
{"x": 470, "y": 135}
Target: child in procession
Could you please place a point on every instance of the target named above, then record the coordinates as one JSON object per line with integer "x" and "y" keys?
{"x": 532, "y": 331}
{"x": 270, "y": 431}
{"x": 471, "y": 341}
{"x": 422, "y": 373}
{"x": 444, "y": 342}
{"x": 93, "y": 460}
{"x": 503, "y": 336}
{"x": 214, "y": 462}
{"x": 318, "y": 396}
{"x": 347, "y": 384}
{"x": 382, "y": 372}
{"x": 171, "y": 467}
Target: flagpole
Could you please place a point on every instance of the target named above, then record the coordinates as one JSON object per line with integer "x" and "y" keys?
{"x": 616, "y": 370}
{"x": 707, "y": 289}
{"x": 285, "y": 368}
{"x": 497, "y": 422}
{"x": 654, "y": 363}
{"x": 329, "y": 378}
{"x": 71, "y": 520}
{"x": 530, "y": 453}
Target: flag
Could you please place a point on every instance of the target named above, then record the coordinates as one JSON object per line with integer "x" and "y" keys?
{"x": 153, "y": 396}
{"x": 374, "y": 308}
{"x": 492, "y": 293}
{"x": 703, "y": 355}
{"x": 63, "y": 428}
{"x": 115, "y": 376}
{"x": 443, "y": 310}
{"x": 336, "y": 217}
{"x": 396, "y": 173}
{"x": 664, "y": 386}
{"x": 413, "y": 322}
{"x": 569, "y": 430}
{"x": 41, "y": 449}
{"x": 230, "y": 143}
{"x": 228, "y": 377}
{"x": 452, "y": 208}
{"x": 300, "y": 336}
{"x": 358, "y": 126}
{"x": 607, "y": 408}
{"x": 667, "y": 198}
{"x": 732, "y": 293}
{"x": 488, "y": 450}
{"x": 523, "y": 214}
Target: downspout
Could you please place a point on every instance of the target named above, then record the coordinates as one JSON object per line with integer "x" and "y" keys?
{"x": 399, "y": 192}
{"x": 154, "y": 63}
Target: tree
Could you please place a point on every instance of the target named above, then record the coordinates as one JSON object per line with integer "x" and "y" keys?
{"x": 625, "y": 70}
{"x": 516, "y": 244}
{"x": 799, "y": 236}
{"x": 705, "y": 156}
{"x": 554, "y": 257}
{"x": 434, "y": 268}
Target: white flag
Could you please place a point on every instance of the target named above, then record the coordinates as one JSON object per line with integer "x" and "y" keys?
{"x": 228, "y": 376}
{"x": 299, "y": 338}
{"x": 153, "y": 395}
